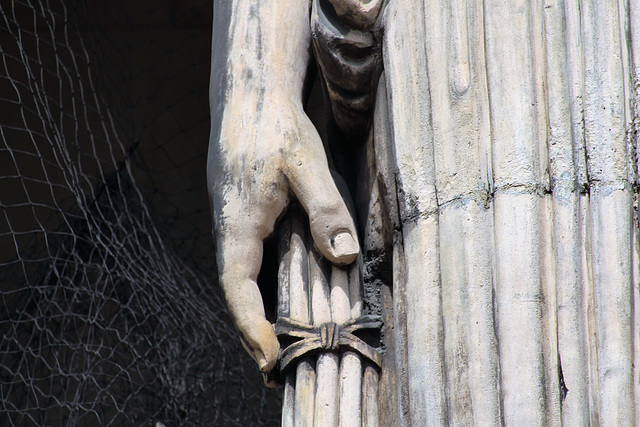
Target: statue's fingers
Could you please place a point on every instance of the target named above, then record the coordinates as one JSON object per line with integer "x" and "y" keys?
{"x": 239, "y": 260}
{"x": 332, "y": 226}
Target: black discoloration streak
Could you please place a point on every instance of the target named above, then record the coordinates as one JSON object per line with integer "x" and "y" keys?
{"x": 378, "y": 270}
{"x": 218, "y": 83}
{"x": 563, "y": 387}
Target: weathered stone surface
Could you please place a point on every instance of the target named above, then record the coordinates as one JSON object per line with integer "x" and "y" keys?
{"x": 495, "y": 180}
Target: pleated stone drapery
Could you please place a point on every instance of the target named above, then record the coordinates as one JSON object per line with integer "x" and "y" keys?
{"x": 512, "y": 136}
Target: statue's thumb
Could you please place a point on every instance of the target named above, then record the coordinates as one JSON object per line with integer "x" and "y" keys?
{"x": 331, "y": 224}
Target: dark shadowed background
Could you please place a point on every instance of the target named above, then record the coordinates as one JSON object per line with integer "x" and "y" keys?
{"x": 110, "y": 313}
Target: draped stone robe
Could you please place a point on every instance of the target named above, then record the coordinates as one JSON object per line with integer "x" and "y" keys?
{"x": 512, "y": 128}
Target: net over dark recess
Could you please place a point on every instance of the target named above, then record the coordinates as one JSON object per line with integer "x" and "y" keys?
{"x": 110, "y": 313}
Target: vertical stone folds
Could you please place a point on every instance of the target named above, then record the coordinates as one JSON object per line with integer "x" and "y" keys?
{"x": 514, "y": 136}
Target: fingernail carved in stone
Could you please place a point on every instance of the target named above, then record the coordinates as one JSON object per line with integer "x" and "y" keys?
{"x": 262, "y": 364}
{"x": 344, "y": 246}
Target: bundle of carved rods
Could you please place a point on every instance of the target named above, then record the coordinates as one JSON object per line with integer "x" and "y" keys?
{"x": 330, "y": 375}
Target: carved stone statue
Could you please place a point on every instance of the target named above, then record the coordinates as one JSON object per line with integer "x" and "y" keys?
{"x": 473, "y": 192}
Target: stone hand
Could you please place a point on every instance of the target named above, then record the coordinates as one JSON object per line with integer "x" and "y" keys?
{"x": 255, "y": 176}
{"x": 263, "y": 151}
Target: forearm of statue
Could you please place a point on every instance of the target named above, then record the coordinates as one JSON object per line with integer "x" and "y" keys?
{"x": 263, "y": 150}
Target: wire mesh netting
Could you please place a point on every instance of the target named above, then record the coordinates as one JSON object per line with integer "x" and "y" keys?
{"x": 110, "y": 310}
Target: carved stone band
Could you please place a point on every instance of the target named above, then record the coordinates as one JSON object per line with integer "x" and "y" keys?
{"x": 328, "y": 337}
